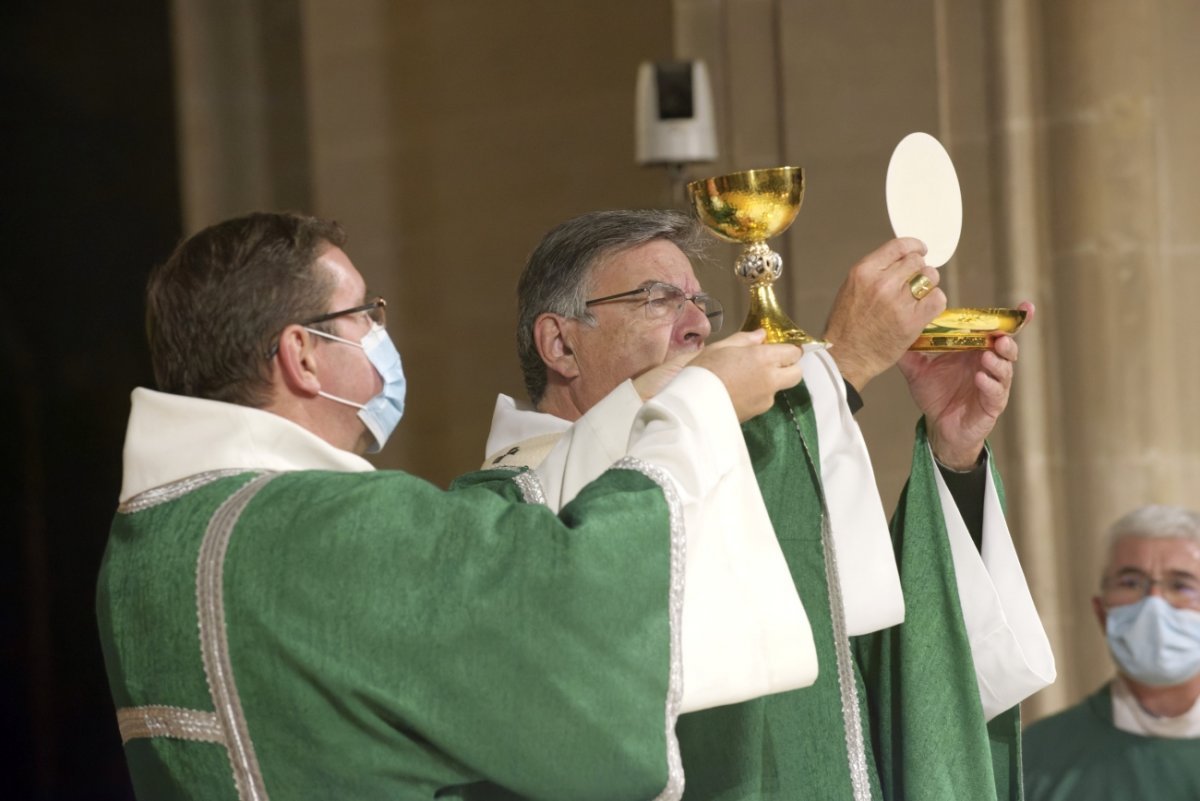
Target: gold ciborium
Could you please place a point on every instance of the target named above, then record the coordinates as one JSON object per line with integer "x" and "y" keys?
{"x": 751, "y": 207}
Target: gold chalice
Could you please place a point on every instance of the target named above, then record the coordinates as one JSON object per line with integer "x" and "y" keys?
{"x": 751, "y": 207}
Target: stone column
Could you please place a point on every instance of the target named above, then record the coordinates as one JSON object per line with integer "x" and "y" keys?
{"x": 1034, "y": 443}
{"x": 241, "y": 108}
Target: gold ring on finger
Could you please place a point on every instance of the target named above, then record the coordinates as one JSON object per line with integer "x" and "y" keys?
{"x": 920, "y": 285}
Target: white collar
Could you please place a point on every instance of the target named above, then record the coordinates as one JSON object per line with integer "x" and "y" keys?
{"x": 516, "y": 421}
{"x": 1129, "y": 716}
{"x": 171, "y": 437}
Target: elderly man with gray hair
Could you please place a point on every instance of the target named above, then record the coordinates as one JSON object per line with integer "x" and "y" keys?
{"x": 1138, "y": 736}
{"x": 609, "y": 311}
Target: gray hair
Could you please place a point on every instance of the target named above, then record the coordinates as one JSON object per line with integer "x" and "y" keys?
{"x": 1156, "y": 520}
{"x": 557, "y": 277}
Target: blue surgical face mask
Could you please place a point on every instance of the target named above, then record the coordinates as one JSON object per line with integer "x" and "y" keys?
{"x": 1154, "y": 642}
{"x": 382, "y": 413}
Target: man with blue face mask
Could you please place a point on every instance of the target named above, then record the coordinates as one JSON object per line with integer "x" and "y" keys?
{"x": 382, "y": 413}
{"x": 1138, "y": 737}
{"x": 279, "y": 619}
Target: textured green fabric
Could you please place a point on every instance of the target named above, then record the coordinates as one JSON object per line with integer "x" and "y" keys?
{"x": 390, "y": 640}
{"x": 146, "y": 607}
{"x": 789, "y": 745}
{"x": 918, "y": 697}
{"x": 1077, "y": 755}
{"x": 926, "y": 717}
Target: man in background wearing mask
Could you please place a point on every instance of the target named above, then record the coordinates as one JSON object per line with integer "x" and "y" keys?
{"x": 279, "y": 619}
{"x": 1138, "y": 737}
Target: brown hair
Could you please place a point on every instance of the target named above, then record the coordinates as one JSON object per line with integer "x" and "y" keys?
{"x": 216, "y": 306}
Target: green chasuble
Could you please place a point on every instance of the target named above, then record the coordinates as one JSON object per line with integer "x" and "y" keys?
{"x": 927, "y": 723}
{"x": 1078, "y": 755}
{"x": 365, "y": 636}
{"x": 893, "y": 715}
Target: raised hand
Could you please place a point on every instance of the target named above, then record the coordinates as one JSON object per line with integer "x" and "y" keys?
{"x": 752, "y": 371}
{"x": 962, "y": 394}
{"x": 877, "y": 314}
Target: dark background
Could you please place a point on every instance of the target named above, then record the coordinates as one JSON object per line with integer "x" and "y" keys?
{"x": 90, "y": 203}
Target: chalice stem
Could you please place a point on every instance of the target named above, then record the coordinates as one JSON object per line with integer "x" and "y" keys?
{"x": 765, "y": 313}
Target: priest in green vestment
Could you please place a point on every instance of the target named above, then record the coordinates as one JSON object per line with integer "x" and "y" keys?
{"x": 279, "y": 619}
{"x": 1138, "y": 736}
{"x": 609, "y": 309}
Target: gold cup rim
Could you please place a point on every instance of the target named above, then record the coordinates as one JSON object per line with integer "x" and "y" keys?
{"x": 745, "y": 176}
{"x": 781, "y": 188}
{"x": 973, "y": 320}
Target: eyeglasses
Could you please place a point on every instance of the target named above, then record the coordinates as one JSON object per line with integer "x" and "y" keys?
{"x": 1130, "y": 586}
{"x": 664, "y": 302}
{"x": 376, "y": 312}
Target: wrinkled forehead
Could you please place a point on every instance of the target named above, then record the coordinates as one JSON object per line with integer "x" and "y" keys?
{"x": 1155, "y": 554}
{"x": 656, "y": 260}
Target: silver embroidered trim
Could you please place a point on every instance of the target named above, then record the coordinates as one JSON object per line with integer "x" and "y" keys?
{"x": 531, "y": 487}
{"x": 169, "y": 721}
{"x": 214, "y": 640}
{"x": 856, "y": 752}
{"x": 675, "y": 778}
{"x": 176, "y": 489}
{"x": 855, "y": 748}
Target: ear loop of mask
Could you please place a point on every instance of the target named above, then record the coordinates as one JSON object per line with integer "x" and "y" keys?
{"x": 381, "y": 414}
{"x": 344, "y": 341}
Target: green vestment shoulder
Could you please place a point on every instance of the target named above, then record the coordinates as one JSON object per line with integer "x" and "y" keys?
{"x": 326, "y": 635}
{"x": 857, "y": 731}
{"x": 1078, "y": 755}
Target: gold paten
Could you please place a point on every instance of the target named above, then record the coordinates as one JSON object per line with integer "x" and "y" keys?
{"x": 968, "y": 329}
{"x": 751, "y": 207}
